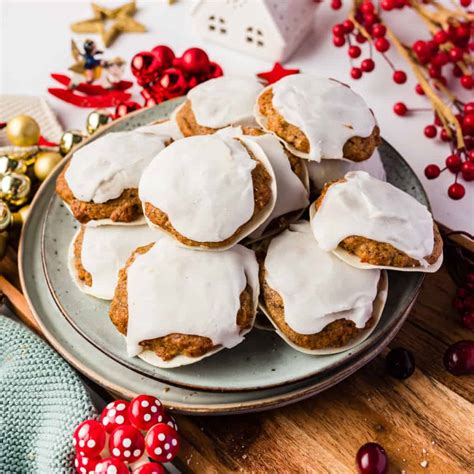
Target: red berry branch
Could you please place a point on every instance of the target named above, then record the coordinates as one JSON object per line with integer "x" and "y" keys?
{"x": 436, "y": 62}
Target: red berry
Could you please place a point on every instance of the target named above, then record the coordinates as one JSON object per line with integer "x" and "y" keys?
{"x": 372, "y": 459}
{"x": 440, "y": 59}
{"x": 432, "y": 171}
{"x": 367, "y": 65}
{"x": 465, "y": 3}
{"x": 145, "y": 411}
{"x": 468, "y": 320}
{"x": 115, "y": 414}
{"x": 382, "y": 45}
{"x": 150, "y": 468}
{"x": 400, "y": 363}
{"x": 467, "y": 81}
{"x": 360, "y": 38}
{"x": 468, "y": 124}
{"x": 399, "y": 77}
{"x": 457, "y": 71}
{"x": 444, "y": 135}
{"x": 422, "y": 50}
{"x": 339, "y": 41}
{"x": 336, "y": 4}
{"x": 430, "y": 131}
{"x": 127, "y": 443}
{"x": 338, "y": 30}
{"x": 89, "y": 438}
{"x": 440, "y": 37}
{"x": 459, "y": 358}
{"x": 458, "y": 304}
{"x": 399, "y": 4}
{"x": 470, "y": 156}
{"x": 108, "y": 465}
{"x": 194, "y": 61}
{"x": 453, "y": 163}
{"x": 434, "y": 71}
{"x": 456, "y": 54}
{"x": 419, "y": 89}
{"x": 400, "y": 109}
{"x": 467, "y": 171}
{"x": 354, "y": 52}
{"x": 356, "y": 73}
{"x": 367, "y": 7}
{"x": 387, "y": 5}
{"x": 348, "y": 26}
{"x": 162, "y": 443}
{"x": 379, "y": 30}
{"x": 456, "y": 191}
{"x": 469, "y": 108}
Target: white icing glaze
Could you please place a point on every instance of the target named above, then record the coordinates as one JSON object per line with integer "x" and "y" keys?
{"x": 103, "y": 169}
{"x": 105, "y": 250}
{"x": 168, "y": 129}
{"x": 172, "y": 289}
{"x": 367, "y": 207}
{"x": 316, "y": 287}
{"x": 204, "y": 185}
{"x": 331, "y": 170}
{"x": 328, "y": 112}
{"x": 226, "y": 100}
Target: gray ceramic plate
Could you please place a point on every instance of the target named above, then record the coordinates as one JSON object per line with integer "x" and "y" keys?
{"x": 263, "y": 360}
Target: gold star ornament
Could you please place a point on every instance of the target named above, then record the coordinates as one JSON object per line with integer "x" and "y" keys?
{"x": 121, "y": 18}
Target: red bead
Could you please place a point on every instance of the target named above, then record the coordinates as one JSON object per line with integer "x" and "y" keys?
{"x": 360, "y": 38}
{"x": 150, "y": 468}
{"x": 467, "y": 81}
{"x": 456, "y": 191}
{"x": 419, "y": 89}
{"x": 400, "y": 109}
{"x": 444, "y": 135}
{"x": 399, "y": 77}
{"x": 356, "y": 73}
{"x": 430, "y": 131}
{"x": 127, "y": 443}
{"x": 145, "y": 67}
{"x": 453, "y": 163}
{"x": 336, "y": 4}
{"x": 89, "y": 438}
{"x": 367, "y": 65}
{"x": 339, "y": 41}
{"x": 145, "y": 411}
{"x": 164, "y": 55}
{"x": 372, "y": 459}
{"x": 456, "y": 54}
{"x": 469, "y": 108}
{"x": 162, "y": 443}
{"x": 387, "y": 5}
{"x": 338, "y": 30}
{"x": 194, "y": 61}
{"x": 109, "y": 465}
{"x": 467, "y": 171}
{"x": 468, "y": 124}
{"x": 115, "y": 414}
{"x": 432, "y": 171}
{"x": 354, "y": 52}
{"x": 381, "y": 45}
{"x": 348, "y": 26}
{"x": 379, "y": 30}
{"x": 459, "y": 358}
{"x": 440, "y": 37}
{"x": 173, "y": 82}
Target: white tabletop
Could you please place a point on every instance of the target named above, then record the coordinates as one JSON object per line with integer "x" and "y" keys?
{"x": 35, "y": 41}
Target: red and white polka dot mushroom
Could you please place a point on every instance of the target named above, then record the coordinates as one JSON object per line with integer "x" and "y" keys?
{"x": 115, "y": 414}
{"x": 162, "y": 442}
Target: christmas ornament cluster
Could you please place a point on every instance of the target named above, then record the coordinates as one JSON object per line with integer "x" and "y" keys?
{"x": 438, "y": 60}
{"x": 134, "y": 436}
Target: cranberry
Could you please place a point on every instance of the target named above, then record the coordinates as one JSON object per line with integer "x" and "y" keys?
{"x": 469, "y": 108}
{"x": 379, "y": 30}
{"x": 360, "y": 38}
{"x": 367, "y": 8}
{"x": 387, "y": 5}
{"x": 400, "y": 363}
{"x": 467, "y": 81}
{"x": 400, "y": 109}
{"x": 440, "y": 59}
{"x": 356, "y": 73}
{"x": 456, "y": 54}
{"x": 468, "y": 320}
{"x": 382, "y": 45}
{"x": 468, "y": 124}
{"x": 354, "y": 52}
{"x": 459, "y": 358}
{"x": 336, "y": 4}
{"x": 348, "y": 26}
{"x": 367, "y": 65}
{"x": 432, "y": 171}
{"x": 441, "y": 37}
{"x": 399, "y": 77}
{"x": 467, "y": 170}
{"x": 434, "y": 71}
{"x": 372, "y": 459}
{"x": 453, "y": 162}
{"x": 456, "y": 191}
{"x": 339, "y": 41}
{"x": 444, "y": 135}
{"x": 338, "y": 30}
{"x": 430, "y": 131}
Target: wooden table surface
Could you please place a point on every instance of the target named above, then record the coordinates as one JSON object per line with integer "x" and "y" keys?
{"x": 425, "y": 423}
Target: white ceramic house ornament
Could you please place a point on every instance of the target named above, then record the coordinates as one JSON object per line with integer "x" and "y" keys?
{"x": 268, "y": 29}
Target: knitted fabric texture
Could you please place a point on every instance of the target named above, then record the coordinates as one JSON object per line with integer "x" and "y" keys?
{"x": 42, "y": 400}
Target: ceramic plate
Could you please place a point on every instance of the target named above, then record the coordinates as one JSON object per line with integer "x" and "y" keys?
{"x": 263, "y": 361}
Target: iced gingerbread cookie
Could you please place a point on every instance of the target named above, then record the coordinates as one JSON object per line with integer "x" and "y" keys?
{"x": 175, "y": 305}
{"x": 99, "y": 184}
{"x": 317, "y": 303}
{"x": 166, "y": 128}
{"x": 208, "y": 192}
{"x": 218, "y": 103}
{"x": 370, "y": 223}
{"x": 318, "y": 118}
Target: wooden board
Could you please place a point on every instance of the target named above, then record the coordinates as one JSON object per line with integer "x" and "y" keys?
{"x": 425, "y": 423}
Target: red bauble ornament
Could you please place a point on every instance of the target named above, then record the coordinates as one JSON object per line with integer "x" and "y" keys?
{"x": 145, "y": 67}
{"x": 432, "y": 171}
{"x": 89, "y": 438}
{"x": 145, "y": 411}
{"x": 356, "y": 73}
{"x": 430, "y": 131}
{"x": 453, "y": 163}
{"x": 164, "y": 56}
{"x": 124, "y": 108}
{"x": 173, "y": 82}
{"x": 276, "y": 73}
{"x": 399, "y": 77}
{"x": 162, "y": 443}
{"x": 194, "y": 61}
{"x": 367, "y": 65}
{"x": 150, "y": 102}
{"x": 400, "y": 109}
{"x": 127, "y": 443}
{"x": 214, "y": 71}
{"x": 456, "y": 191}
{"x": 467, "y": 171}
{"x": 354, "y": 52}
{"x": 115, "y": 414}
{"x": 371, "y": 459}
{"x": 382, "y": 45}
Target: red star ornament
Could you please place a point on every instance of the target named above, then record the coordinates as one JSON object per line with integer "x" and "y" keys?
{"x": 276, "y": 73}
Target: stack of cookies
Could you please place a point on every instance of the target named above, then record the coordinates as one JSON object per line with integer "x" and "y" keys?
{"x": 191, "y": 224}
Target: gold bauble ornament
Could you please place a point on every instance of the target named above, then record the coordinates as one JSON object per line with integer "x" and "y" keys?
{"x": 45, "y": 162}
{"x": 97, "y": 119}
{"x": 15, "y": 188}
{"x": 3, "y": 243}
{"x": 5, "y": 216}
{"x": 69, "y": 140}
{"x": 23, "y": 130}
{"x": 11, "y": 165}
{"x": 19, "y": 217}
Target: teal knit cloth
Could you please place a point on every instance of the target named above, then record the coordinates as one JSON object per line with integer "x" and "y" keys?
{"x": 42, "y": 400}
